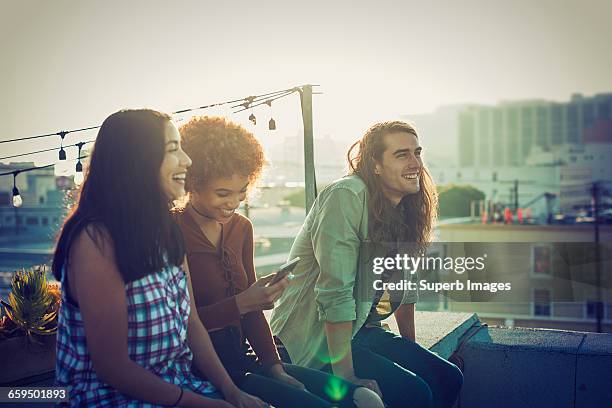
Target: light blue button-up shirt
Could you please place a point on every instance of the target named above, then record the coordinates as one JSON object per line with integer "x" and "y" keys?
{"x": 334, "y": 278}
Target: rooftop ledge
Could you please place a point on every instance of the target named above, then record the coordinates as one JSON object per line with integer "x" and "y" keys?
{"x": 520, "y": 367}
{"x": 508, "y": 367}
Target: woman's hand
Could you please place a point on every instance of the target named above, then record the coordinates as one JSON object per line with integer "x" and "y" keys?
{"x": 278, "y": 373}
{"x": 241, "y": 399}
{"x": 258, "y": 296}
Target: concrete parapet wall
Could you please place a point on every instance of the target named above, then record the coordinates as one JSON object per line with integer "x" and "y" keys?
{"x": 536, "y": 368}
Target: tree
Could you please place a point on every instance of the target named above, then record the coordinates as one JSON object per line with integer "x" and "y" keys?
{"x": 298, "y": 197}
{"x": 454, "y": 200}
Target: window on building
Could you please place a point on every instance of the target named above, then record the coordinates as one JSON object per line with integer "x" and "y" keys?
{"x": 541, "y": 260}
{"x": 541, "y": 302}
{"x": 604, "y": 110}
{"x": 591, "y": 309}
{"x": 45, "y": 221}
{"x": 5, "y": 200}
{"x": 32, "y": 221}
{"x": 41, "y": 200}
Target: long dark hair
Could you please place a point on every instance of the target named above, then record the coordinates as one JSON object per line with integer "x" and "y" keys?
{"x": 121, "y": 197}
{"x": 412, "y": 221}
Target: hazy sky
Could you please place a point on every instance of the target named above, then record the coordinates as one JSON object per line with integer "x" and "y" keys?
{"x": 68, "y": 64}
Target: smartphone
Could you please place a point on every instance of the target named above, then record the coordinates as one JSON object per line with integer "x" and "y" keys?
{"x": 284, "y": 270}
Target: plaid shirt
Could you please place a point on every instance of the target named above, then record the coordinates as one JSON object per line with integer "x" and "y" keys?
{"x": 158, "y": 312}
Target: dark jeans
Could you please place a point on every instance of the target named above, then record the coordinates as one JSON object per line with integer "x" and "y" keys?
{"x": 324, "y": 390}
{"x": 409, "y": 376}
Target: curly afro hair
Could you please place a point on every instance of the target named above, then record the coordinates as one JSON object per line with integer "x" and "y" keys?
{"x": 219, "y": 148}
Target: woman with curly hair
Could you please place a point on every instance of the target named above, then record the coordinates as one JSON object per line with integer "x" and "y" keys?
{"x": 227, "y": 160}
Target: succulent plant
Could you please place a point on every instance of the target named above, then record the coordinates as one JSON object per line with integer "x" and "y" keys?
{"x": 31, "y": 305}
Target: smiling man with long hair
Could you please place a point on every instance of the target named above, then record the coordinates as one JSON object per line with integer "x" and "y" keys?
{"x": 330, "y": 316}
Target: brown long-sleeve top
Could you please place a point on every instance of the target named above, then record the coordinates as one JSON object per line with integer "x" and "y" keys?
{"x": 219, "y": 275}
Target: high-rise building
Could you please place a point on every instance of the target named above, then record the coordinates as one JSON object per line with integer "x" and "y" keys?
{"x": 506, "y": 134}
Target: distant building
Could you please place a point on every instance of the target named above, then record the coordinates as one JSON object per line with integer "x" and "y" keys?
{"x": 44, "y": 205}
{"x": 552, "y": 271}
{"x": 438, "y": 134}
{"x": 505, "y": 135}
{"x": 569, "y": 184}
{"x": 552, "y": 149}
{"x": 286, "y": 160}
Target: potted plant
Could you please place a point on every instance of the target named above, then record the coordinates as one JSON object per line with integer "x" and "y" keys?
{"x": 28, "y": 323}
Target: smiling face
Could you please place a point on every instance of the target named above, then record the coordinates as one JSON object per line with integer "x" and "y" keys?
{"x": 174, "y": 166}
{"x": 400, "y": 167}
{"x": 219, "y": 198}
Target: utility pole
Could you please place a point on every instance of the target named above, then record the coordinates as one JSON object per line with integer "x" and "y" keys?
{"x": 516, "y": 195}
{"x": 595, "y": 190}
{"x": 310, "y": 185}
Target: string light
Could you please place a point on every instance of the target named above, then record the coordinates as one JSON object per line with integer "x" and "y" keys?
{"x": 79, "y": 176}
{"x": 259, "y": 102}
{"x": 48, "y": 134}
{"x": 62, "y": 152}
{"x": 272, "y": 122}
{"x": 248, "y": 102}
{"x": 42, "y": 151}
{"x": 17, "y": 200}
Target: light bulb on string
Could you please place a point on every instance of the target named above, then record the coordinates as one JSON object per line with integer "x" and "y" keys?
{"x": 62, "y": 152}
{"x": 272, "y": 122}
{"x": 17, "y": 200}
{"x": 78, "y": 175}
{"x": 247, "y": 104}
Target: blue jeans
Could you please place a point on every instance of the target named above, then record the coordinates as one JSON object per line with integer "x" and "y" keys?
{"x": 318, "y": 394}
{"x": 408, "y": 375}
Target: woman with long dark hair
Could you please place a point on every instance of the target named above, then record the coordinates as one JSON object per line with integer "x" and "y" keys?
{"x": 128, "y": 331}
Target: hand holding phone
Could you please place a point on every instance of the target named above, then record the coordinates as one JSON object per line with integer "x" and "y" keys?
{"x": 284, "y": 270}
{"x": 262, "y": 294}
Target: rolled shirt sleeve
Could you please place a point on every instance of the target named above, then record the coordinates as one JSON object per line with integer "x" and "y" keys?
{"x": 336, "y": 243}
{"x": 411, "y": 296}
